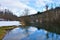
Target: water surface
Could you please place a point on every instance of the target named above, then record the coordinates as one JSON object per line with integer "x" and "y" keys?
{"x": 32, "y": 34}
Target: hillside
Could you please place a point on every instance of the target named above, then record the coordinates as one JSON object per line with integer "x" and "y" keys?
{"x": 48, "y": 20}
{"x": 8, "y": 15}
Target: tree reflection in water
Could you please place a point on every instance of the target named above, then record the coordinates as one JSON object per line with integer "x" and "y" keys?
{"x": 31, "y": 34}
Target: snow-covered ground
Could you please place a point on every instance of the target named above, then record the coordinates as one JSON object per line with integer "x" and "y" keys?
{"x": 9, "y": 23}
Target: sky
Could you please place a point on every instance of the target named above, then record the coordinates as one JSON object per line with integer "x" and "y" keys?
{"x": 18, "y": 6}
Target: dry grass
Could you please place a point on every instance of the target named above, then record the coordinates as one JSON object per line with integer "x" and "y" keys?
{"x": 3, "y": 31}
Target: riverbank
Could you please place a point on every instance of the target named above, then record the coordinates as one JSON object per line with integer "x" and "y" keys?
{"x": 3, "y": 30}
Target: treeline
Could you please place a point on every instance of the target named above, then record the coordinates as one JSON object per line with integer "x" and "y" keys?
{"x": 8, "y": 15}
{"x": 49, "y": 20}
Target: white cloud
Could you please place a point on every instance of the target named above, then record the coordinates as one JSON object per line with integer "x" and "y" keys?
{"x": 42, "y": 2}
{"x": 18, "y": 5}
{"x": 38, "y": 4}
{"x": 15, "y": 6}
{"x": 32, "y": 29}
{"x": 25, "y": 1}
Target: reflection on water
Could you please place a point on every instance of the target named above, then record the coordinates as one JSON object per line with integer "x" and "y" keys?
{"x": 33, "y": 34}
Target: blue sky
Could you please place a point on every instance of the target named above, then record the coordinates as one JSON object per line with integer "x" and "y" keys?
{"x": 18, "y": 6}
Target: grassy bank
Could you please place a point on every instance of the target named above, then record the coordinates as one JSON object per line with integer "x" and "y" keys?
{"x": 2, "y": 33}
{"x": 3, "y": 30}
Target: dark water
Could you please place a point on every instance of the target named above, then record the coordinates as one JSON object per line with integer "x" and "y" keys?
{"x": 32, "y": 34}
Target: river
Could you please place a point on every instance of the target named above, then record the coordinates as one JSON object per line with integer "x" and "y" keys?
{"x": 32, "y": 33}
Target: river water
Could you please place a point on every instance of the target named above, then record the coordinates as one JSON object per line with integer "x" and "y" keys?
{"x": 31, "y": 33}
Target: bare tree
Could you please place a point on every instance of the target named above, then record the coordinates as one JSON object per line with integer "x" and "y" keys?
{"x": 46, "y": 7}
{"x": 26, "y": 11}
